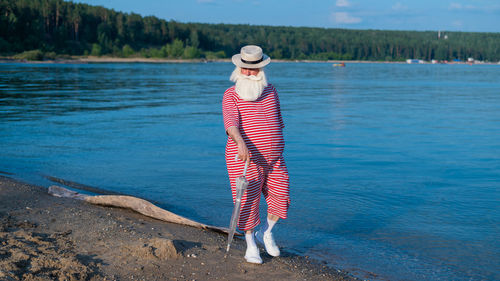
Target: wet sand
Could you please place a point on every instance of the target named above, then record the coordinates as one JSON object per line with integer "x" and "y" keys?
{"x": 48, "y": 238}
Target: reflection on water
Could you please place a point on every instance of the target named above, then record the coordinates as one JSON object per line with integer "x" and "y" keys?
{"x": 394, "y": 168}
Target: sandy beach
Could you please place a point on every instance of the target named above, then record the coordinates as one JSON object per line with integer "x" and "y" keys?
{"x": 49, "y": 238}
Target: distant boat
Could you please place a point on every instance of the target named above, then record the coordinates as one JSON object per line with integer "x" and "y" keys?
{"x": 339, "y": 64}
{"x": 412, "y": 61}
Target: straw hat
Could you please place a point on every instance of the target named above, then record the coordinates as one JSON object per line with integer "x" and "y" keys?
{"x": 251, "y": 56}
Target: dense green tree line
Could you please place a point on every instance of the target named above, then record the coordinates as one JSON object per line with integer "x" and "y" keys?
{"x": 47, "y": 28}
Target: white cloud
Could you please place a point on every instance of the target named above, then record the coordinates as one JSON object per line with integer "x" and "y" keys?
{"x": 458, "y": 6}
{"x": 343, "y": 17}
{"x": 399, "y": 7}
{"x": 455, "y": 6}
{"x": 343, "y": 3}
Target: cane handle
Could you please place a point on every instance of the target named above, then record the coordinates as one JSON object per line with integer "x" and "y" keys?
{"x": 246, "y": 165}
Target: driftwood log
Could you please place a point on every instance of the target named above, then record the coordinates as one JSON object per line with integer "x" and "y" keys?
{"x": 136, "y": 204}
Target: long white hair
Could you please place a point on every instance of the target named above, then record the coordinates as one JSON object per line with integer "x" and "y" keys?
{"x": 249, "y": 88}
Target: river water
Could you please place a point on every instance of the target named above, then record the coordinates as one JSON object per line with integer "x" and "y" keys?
{"x": 394, "y": 168}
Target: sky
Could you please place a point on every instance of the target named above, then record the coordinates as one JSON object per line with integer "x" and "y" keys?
{"x": 422, "y": 15}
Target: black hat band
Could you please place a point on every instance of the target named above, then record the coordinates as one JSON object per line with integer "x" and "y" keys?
{"x": 253, "y": 62}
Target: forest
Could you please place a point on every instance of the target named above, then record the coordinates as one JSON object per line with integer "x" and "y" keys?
{"x": 47, "y": 29}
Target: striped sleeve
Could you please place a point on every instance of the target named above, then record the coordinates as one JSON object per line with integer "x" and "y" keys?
{"x": 278, "y": 108}
{"x": 230, "y": 110}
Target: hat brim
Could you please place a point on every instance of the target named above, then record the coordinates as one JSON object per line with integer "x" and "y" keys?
{"x": 237, "y": 61}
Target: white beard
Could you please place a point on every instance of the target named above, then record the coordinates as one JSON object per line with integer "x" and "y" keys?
{"x": 249, "y": 88}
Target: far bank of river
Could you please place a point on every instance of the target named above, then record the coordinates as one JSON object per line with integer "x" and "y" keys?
{"x": 105, "y": 59}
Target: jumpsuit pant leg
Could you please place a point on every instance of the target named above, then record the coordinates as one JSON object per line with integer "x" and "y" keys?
{"x": 276, "y": 188}
{"x": 271, "y": 180}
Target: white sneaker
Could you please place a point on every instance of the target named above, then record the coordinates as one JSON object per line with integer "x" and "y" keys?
{"x": 267, "y": 240}
{"x": 252, "y": 255}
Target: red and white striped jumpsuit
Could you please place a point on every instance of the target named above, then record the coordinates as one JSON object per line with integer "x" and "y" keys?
{"x": 261, "y": 127}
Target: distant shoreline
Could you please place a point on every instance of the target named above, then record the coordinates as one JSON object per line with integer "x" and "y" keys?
{"x": 91, "y": 59}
